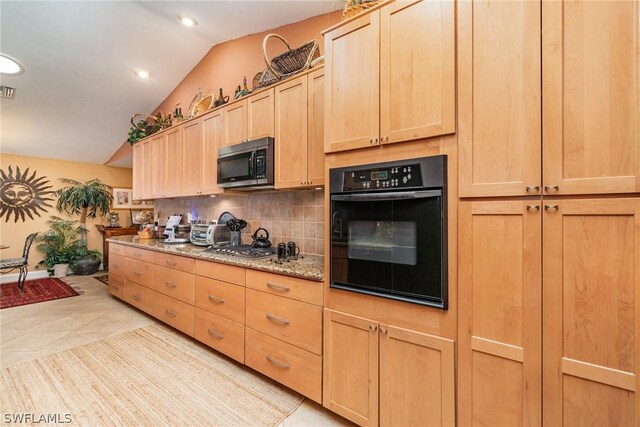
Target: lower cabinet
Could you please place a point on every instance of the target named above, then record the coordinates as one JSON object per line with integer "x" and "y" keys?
{"x": 173, "y": 312}
{"x": 220, "y": 333}
{"x": 369, "y": 368}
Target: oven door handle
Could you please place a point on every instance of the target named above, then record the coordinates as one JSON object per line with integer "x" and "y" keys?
{"x": 251, "y": 163}
{"x": 378, "y": 197}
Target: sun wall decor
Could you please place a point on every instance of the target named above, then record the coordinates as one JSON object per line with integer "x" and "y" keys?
{"x": 23, "y": 195}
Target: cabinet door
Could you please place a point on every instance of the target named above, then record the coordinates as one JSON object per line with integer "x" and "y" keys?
{"x": 235, "y": 123}
{"x": 260, "y": 115}
{"x": 417, "y": 70}
{"x": 417, "y": 379}
{"x": 499, "y": 288}
{"x": 192, "y": 150}
{"x": 158, "y": 148}
{"x": 591, "y": 93}
{"x": 499, "y": 88}
{"x": 591, "y": 314}
{"x": 147, "y": 168}
{"x": 138, "y": 171}
{"x": 350, "y": 384}
{"x": 213, "y": 137}
{"x": 173, "y": 163}
{"x": 352, "y": 84}
{"x": 291, "y": 133}
{"x": 315, "y": 124}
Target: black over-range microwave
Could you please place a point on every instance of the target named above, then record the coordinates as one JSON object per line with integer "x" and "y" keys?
{"x": 389, "y": 230}
{"x": 248, "y": 165}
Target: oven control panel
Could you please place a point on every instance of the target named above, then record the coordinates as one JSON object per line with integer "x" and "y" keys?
{"x": 382, "y": 178}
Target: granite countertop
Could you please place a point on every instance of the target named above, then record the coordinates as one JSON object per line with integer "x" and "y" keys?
{"x": 310, "y": 267}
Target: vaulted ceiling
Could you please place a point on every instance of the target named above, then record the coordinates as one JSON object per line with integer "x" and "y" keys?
{"x": 78, "y": 91}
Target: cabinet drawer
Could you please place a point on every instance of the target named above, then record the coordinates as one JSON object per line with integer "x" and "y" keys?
{"x": 219, "y": 333}
{"x": 295, "y": 322}
{"x": 140, "y": 272}
{"x": 138, "y": 296}
{"x": 117, "y": 264}
{"x": 173, "y": 312}
{"x": 140, "y": 254}
{"x": 116, "y": 285}
{"x": 174, "y": 283}
{"x": 285, "y": 363}
{"x": 223, "y": 299}
{"x": 226, "y": 273}
{"x": 289, "y": 287}
{"x": 173, "y": 261}
{"x": 115, "y": 249}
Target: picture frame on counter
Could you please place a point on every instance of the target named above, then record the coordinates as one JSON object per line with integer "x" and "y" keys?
{"x": 135, "y": 215}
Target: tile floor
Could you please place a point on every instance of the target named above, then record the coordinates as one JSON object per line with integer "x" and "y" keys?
{"x": 36, "y": 330}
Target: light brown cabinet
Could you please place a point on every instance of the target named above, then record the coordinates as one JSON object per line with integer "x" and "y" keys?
{"x": 390, "y": 76}
{"x": 173, "y": 163}
{"x": 591, "y": 312}
{"x": 370, "y": 367}
{"x": 499, "y": 329}
{"x": 249, "y": 118}
{"x": 299, "y": 132}
{"x": 212, "y": 140}
{"x": 579, "y": 134}
{"x": 192, "y": 167}
{"x": 138, "y": 172}
{"x": 158, "y": 151}
{"x": 499, "y": 130}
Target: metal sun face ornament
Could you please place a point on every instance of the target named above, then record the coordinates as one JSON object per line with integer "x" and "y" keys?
{"x": 22, "y": 195}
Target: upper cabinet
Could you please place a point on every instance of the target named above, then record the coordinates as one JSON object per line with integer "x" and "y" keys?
{"x": 212, "y": 138}
{"x": 591, "y": 96}
{"x": 192, "y": 165}
{"x": 138, "y": 172}
{"x": 580, "y": 133}
{"x": 499, "y": 131}
{"x": 249, "y": 118}
{"x": 390, "y": 76}
{"x": 299, "y": 132}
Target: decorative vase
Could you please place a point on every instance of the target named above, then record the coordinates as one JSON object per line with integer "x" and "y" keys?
{"x": 60, "y": 270}
{"x": 86, "y": 265}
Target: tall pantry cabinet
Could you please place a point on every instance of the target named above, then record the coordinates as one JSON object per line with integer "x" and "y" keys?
{"x": 549, "y": 286}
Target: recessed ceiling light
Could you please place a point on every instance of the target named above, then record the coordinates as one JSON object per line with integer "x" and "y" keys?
{"x": 143, "y": 74}
{"x": 189, "y": 22}
{"x": 10, "y": 66}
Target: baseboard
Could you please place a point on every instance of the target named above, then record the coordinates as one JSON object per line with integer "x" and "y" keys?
{"x": 8, "y": 278}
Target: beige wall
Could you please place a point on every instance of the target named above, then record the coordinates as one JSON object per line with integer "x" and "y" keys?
{"x": 226, "y": 63}
{"x": 12, "y": 233}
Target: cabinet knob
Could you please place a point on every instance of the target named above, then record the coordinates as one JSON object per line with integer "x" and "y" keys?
{"x": 375, "y": 140}
{"x": 552, "y": 208}
{"x": 551, "y": 188}
{"x": 371, "y": 141}
{"x": 531, "y": 188}
{"x": 373, "y": 328}
{"x": 533, "y": 208}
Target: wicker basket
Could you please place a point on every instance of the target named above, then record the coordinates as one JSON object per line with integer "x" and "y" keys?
{"x": 354, "y": 7}
{"x": 292, "y": 61}
{"x": 264, "y": 78}
{"x": 146, "y": 234}
{"x": 147, "y": 123}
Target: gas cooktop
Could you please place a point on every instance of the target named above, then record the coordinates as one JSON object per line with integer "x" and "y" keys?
{"x": 243, "y": 251}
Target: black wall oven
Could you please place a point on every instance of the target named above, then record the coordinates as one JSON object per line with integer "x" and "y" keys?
{"x": 389, "y": 230}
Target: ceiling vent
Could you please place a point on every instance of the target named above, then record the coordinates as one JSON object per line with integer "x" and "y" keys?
{"x": 7, "y": 92}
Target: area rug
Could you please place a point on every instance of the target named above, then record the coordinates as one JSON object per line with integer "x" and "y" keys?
{"x": 38, "y": 290}
{"x": 104, "y": 279}
{"x": 151, "y": 376}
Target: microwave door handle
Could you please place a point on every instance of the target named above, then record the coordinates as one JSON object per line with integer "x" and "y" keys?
{"x": 378, "y": 197}
{"x": 251, "y": 163}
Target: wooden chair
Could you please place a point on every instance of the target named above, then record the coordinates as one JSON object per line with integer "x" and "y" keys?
{"x": 22, "y": 263}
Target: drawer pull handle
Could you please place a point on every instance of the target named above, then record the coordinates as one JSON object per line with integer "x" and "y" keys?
{"x": 137, "y": 272}
{"x": 278, "y": 287}
{"x": 170, "y": 284}
{"x": 171, "y": 262}
{"x": 136, "y": 297}
{"x": 216, "y": 299}
{"x": 550, "y": 207}
{"x": 533, "y": 207}
{"x": 277, "y": 362}
{"x": 215, "y": 334}
{"x": 170, "y": 313}
{"x": 551, "y": 188}
{"x": 277, "y": 319}
{"x": 531, "y": 188}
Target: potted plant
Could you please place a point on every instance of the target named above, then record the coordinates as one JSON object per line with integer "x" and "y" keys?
{"x": 90, "y": 199}
{"x": 59, "y": 245}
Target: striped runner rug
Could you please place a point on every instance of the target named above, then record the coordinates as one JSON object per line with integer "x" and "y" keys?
{"x": 151, "y": 376}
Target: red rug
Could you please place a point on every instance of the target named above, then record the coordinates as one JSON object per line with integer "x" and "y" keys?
{"x": 38, "y": 290}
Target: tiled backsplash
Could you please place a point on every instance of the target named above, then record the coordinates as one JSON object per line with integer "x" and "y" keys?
{"x": 287, "y": 215}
